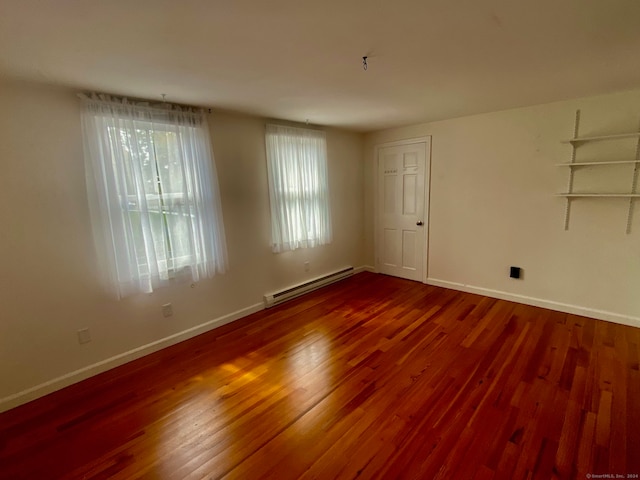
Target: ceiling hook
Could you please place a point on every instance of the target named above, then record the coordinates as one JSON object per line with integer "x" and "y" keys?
{"x": 364, "y": 63}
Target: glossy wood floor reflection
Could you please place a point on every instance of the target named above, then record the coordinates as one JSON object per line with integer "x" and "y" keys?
{"x": 374, "y": 377}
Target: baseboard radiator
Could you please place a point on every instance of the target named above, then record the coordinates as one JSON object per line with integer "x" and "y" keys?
{"x": 277, "y": 298}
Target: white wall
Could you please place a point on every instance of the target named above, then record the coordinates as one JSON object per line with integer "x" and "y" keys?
{"x": 49, "y": 283}
{"x": 493, "y": 182}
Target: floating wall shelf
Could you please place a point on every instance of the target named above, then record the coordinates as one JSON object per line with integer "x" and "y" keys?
{"x": 598, "y": 138}
{"x": 575, "y": 142}
{"x": 604, "y": 195}
{"x": 597, "y": 164}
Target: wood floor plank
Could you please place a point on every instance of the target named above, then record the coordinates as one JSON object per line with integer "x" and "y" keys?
{"x": 372, "y": 377}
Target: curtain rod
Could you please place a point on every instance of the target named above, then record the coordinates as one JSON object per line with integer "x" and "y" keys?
{"x": 133, "y": 100}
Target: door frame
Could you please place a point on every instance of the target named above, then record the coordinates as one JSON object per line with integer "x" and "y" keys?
{"x": 427, "y": 192}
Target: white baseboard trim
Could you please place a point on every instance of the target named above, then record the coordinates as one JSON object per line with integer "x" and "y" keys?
{"x": 539, "y": 302}
{"x": 364, "y": 268}
{"x": 76, "y": 376}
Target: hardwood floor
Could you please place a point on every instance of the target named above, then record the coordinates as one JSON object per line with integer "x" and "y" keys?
{"x": 374, "y": 377}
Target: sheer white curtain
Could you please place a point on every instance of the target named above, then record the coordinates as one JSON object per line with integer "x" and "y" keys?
{"x": 153, "y": 193}
{"x": 298, "y": 187}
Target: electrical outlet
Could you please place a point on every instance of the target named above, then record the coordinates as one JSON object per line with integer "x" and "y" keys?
{"x": 306, "y": 266}
{"x": 84, "y": 336}
{"x": 515, "y": 272}
{"x": 167, "y": 310}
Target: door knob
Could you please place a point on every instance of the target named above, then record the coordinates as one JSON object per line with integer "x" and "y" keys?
{"x": 419, "y": 223}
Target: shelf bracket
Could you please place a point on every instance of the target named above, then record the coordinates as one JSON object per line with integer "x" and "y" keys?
{"x": 567, "y": 210}
{"x": 634, "y": 187}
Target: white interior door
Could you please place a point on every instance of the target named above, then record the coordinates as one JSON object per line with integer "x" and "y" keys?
{"x": 401, "y": 242}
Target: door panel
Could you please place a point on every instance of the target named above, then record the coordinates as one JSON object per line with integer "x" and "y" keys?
{"x": 409, "y": 246}
{"x": 409, "y": 200}
{"x": 389, "y": 194}
{"x": 401, "y": 242}
{"x": 392, "y": 248}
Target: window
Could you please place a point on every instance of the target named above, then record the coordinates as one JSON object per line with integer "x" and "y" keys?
{"x": 298, "y": 187}
{"x": 153, "y": 192}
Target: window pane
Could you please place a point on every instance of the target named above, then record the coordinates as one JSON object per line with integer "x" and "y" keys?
{"x": 179, "y": 227}
{"x": 169, "y": 161}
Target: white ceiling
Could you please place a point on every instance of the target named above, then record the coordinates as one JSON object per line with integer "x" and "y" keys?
{"x": 298, "y": 60}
